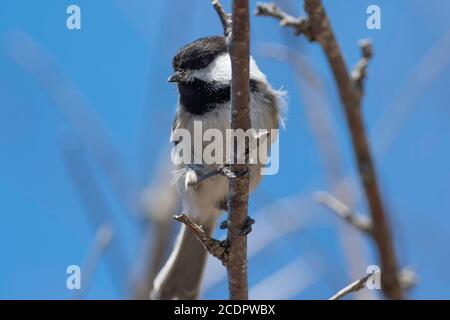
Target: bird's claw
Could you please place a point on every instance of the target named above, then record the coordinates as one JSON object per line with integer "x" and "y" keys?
{"x": 247, "y": 227}
{"x": 226, "y": 171}
{"x": 244, "y": 230}
{"x": 223, "y": 225}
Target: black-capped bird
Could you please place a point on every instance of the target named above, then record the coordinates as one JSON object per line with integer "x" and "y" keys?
{"x": 202, "y": 72}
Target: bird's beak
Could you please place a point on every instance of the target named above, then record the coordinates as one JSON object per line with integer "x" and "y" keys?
{"x": 179, "y": 76}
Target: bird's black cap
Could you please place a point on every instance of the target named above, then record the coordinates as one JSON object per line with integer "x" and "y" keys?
{"x": 200, "y": 53}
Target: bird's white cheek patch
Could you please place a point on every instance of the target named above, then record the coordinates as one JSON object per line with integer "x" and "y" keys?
{"x": 220, "y": 71}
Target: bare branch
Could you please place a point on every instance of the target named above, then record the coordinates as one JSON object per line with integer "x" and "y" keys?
{"x": 359, "y": 72}
{"x": 322, "y": 32}
{"x": 225, "y": 17}
{"x": 408, "y": 279}
{"x": 351, "y": 100}
{"x": 216, "y": 248}
{"x": 300, "y": 24}
{"x": 352, "y": 287}
{"x": 316, "y": 103}
{"x": 357, "y": 220}
{"x": 233, "y": 251}
{"x": 100, "y": 245}
{"x": 160, "y": 200}
{"x": 239, "y": 48}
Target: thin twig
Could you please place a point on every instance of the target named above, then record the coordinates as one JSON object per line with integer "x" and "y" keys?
{"x": 100, "y": 245}
{"x": 225, "y": 17}
{"x": 300, "y": 24}
{"x": 408, "y": 279}
{"x": 322, "y": 32}
{"x": 357, "y": 220}
{"x": 352, "y": 287}
{"x": 359, "y": 72}
{"x": 216, "y": 248}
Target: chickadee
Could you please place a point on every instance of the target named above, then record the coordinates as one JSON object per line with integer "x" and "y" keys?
{"x": 202, "y": 72}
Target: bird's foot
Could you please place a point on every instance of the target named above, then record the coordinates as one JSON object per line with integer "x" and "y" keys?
{"x": 226, "y": 171}
{"x": 244, "y": 230}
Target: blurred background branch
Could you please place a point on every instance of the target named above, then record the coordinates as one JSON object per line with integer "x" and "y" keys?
{"x": 319, "y": 29}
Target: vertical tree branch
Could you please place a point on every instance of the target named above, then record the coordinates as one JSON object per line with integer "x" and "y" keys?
{"x": 240, "y": 119}
{"x": 350, "y": 91}
{"x": 316, "y": 103}
{"x": 233, "y": 251}
{"x": 323, "y": 33}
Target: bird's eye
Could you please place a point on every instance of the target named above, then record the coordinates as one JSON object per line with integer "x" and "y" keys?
{"x": 204, "y": 61}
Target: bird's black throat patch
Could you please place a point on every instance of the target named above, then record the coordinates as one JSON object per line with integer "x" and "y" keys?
{"x": 199, "y": 97}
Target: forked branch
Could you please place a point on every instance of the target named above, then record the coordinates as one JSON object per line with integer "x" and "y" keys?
{"x": 224, "y": 17}
{"x": 216, "y": 248}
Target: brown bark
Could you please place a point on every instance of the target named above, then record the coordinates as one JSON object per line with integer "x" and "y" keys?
{"x": 240, "y": 119}
{"x": 322, "y": 32}
{"x": 350, "y": 89}
{"x": 233, "y": 251}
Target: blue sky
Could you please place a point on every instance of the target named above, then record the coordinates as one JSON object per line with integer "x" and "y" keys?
{"x": 114, "y": 71}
